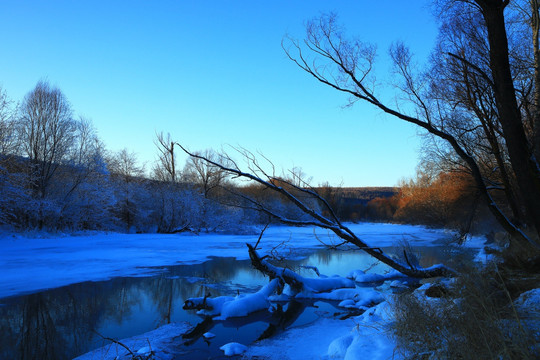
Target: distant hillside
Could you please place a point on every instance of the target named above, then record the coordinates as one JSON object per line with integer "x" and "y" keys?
{"x": 368, "y": 193}
{"x": 362, "y": 195}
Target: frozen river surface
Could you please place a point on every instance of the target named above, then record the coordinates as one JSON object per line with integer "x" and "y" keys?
{"x": 60, "y": 295}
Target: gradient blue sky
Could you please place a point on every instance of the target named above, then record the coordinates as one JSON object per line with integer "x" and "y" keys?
{"x": 213, "y": 73}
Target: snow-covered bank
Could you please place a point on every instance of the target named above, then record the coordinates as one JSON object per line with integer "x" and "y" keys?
{"x": 30, "y": 264}
{"x": 361, "y": 337}
{"x": 157, "y": 344}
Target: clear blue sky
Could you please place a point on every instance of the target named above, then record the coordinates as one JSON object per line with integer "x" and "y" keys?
{"x": 213, "y": 73}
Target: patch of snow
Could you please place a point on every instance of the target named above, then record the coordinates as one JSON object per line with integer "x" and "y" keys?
{"x": 225, "y": 307}
{"x": 247, "y": 304}
{"x": 209, "y": 335}
{"x": 361, "y": 277}
{"x": 233, "y": 348}
{"x": 528, "y": 304}
{"x": 364, "y": 337}
{"x": 338, "y": 348}
{"x": 144, "y": 350}
{"x": 371, "y": 343}
{"x": 347, "y": 304}
{"x": 397, "y": 284}
{"x": 361, "y": 296}
{"x": 315, "y": 340}
{"x": 381, "y": 313}
{"x": 214, "y": 305}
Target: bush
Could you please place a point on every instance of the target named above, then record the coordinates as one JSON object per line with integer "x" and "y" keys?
{"x": 474, "y": 319}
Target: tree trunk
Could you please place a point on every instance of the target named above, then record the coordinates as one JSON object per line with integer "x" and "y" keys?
{"x": 523, "y": 162}
{"x": 535, "y": 27}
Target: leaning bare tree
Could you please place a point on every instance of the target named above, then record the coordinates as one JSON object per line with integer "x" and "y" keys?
{"x": 479, "y": 111}
{"x": 346, "y": 65}
{"x": 309, "y": 202}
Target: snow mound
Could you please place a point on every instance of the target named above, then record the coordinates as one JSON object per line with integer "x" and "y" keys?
{"x": 305, "y": 342}
{"x": 360, "y": 296}
{"x": 224, "y": 307}
{"x": 244, "y": 305}
{"x": 338, "y": 348}
{"x": 233, "y": 348}
{"x": 144, "y": 350}
{"x": 369, "y": 339}
{"x": 362, "y": 277}
{"x": 528, "y": 303}
{"x": 212, "y": 306}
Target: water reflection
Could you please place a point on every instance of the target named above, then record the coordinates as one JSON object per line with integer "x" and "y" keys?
{"x": 62, "y": 323}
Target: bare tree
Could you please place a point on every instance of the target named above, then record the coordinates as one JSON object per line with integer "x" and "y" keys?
{"x": 346, "y": 65}
{"x": 47, "y": 132}
{"x": 85, "y": 159}
{"x": 8, "y": 136}
{"x": 310, "y": 203}
{"x": 125, "y": 168}
{"x": 166, "y": 168}
{"x": 170, "y": 192}
{"x": 204, "y": 174}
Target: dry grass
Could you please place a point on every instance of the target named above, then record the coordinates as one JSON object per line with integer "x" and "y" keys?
{"x": 476, "y": 320}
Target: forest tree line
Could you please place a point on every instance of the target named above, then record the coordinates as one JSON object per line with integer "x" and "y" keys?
{"x": 56, "y": 174}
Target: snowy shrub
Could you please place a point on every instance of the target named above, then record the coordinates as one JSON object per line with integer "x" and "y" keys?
{"x": 15, "y": 197}
{"x": 474, "y": 319}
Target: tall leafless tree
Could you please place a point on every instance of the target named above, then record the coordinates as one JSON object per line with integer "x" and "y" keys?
{"x": 8, "y": 136}
{"x": 204, "y": 174}
{"x": 47, "y": 132}
{"x": 347, "y": 65}
{"x": 124, "y": 167}
{"x": 166, "y": 168}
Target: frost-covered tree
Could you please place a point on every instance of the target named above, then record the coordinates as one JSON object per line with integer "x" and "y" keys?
{"x": 47, "y": 133}
{"x": 202, "y": 174}
{"x": 8, "y": 136}
{"x": 127, "y": 176}
{"x": 13, "y": 180}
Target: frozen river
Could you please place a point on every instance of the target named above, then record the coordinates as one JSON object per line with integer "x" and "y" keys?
{"x": 61, "y": 295}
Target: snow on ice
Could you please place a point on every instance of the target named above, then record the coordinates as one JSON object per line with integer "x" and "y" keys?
{"x": 233, "y": 348}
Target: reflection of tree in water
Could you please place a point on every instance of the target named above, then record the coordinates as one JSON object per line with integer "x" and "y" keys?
{"x": 121, "y": 298}
{"x": 324, "y": 257}
{"x": 38, "y": 337}
{"x": 221, "y": 269}
{"x": 163, "y": 295}
{"x": 47, "y": 325}
{"x": 58, "y": 324}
